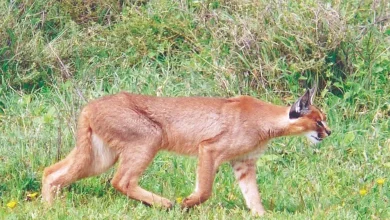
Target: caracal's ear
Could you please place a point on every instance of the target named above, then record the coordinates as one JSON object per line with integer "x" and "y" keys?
{"x": 313, "y": 91}
{"x": 301, "y": 106}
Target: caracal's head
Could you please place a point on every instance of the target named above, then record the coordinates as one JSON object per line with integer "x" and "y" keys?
{"x": 308, "y": 120}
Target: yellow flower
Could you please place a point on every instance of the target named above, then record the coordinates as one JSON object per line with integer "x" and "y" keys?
{"x": 363, "y": 192}
{"x": 12, "y": 204}
{"x": 380, "y": 181}
{"x": 179, "y": 200}
{"x": 31, "y": 196}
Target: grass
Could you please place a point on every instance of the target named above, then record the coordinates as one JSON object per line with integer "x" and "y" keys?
{"x": 57, "y": 55}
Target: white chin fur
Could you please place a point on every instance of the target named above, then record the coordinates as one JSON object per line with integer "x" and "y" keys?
{"x": 312, "y": 136}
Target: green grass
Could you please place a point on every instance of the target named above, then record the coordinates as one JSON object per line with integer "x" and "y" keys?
{"x": 57, "y": 55}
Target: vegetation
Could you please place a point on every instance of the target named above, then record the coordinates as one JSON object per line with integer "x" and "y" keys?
{"x": 57, "y": 55}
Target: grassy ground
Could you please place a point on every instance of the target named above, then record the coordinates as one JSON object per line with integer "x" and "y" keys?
{"x": 57, "y": 55}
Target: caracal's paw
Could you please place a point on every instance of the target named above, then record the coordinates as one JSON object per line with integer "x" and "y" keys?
{"x": 166, "y": 204}
{"x": 258, "y": 211}
{"x": 191, "y": 201}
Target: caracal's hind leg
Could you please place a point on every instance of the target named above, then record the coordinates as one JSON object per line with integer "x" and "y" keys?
{"x": 131, "y": 166}
{"x": 91, "y": 157}
{"x": 245, "y": 172}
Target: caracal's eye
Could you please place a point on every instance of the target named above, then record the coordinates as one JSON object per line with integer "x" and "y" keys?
{"x": 320, "y": 124}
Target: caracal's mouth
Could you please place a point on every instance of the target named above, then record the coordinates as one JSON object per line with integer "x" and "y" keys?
{"x": 317, "y": 138}
{"x": 313, "y": 137}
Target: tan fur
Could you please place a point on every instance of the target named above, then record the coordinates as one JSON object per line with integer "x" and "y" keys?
{"x": 133, "y": 128}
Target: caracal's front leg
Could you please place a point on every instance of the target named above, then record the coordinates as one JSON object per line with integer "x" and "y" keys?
{"x": 245, "y": 172}
{"x": 207, "y": 167}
